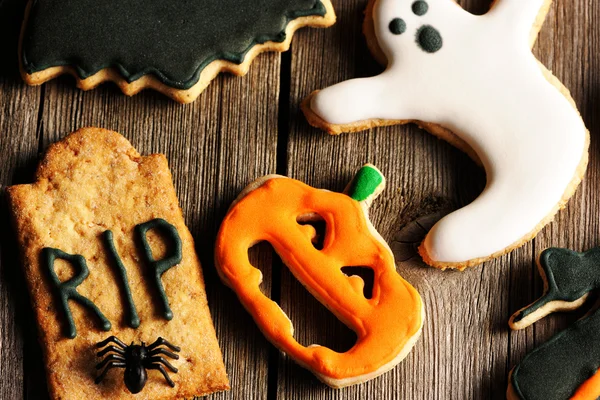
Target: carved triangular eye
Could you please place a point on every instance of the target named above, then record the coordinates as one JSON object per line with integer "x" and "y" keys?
{"x": 366, "y": 274}
{"x": 318, "y": 231}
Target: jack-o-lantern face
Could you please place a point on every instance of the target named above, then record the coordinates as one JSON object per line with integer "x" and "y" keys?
{"x": 387, "y": 324}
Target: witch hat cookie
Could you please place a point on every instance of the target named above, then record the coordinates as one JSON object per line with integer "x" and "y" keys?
{"x": 567, "y": 366}
{"x": 473, "y": 81}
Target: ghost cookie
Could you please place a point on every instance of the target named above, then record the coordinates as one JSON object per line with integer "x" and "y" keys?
{"x": 387, "y": 319}
{"x": 176, "y": 47}
{"x": 115, "y": 282}
{"x": 473, "y": 81}
{"x": 565, "y": 367}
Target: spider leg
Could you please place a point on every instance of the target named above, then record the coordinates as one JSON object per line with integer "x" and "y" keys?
{"x": 111, "y": 348}
{"x": 161, "y": 341}
{"x": 112, "y": 339}
{"x": 161, "y": 360}
{"x": 158, "y": 351}
{"x": 111, "y": 365}
{"x": 162, "y": 369}
{"x": 110, "y": 358}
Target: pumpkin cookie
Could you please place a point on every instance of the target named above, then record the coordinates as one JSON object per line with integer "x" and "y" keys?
{"x": 176, "y": 47}
{"x": 565, "y": 367}
{"x": 277, "y": 209}
{"x": 473, "y": 81}
{"x": 115, "y": 282}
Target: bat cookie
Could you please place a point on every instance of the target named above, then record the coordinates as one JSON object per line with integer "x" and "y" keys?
{"x": 115, "y": 282}
{"x": 567, "y": 366}
{"x": 473, "y": 81}
{"x": 175, "y": 47}
{"x": 277, "y": 209}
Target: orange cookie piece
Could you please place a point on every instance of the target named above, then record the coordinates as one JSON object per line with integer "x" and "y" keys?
{"x": 272, "y": 209}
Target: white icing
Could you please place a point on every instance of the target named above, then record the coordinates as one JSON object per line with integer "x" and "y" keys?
{"x": 486, "y": 86}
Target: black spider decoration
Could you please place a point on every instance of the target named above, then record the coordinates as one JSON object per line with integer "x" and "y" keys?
{"x": 136, "y": 359}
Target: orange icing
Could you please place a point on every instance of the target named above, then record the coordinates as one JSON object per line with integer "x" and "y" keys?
{"x": 384, "y": 324}
{"x": 590, "y": 389}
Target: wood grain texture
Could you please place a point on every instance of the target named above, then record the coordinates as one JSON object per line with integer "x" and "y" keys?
{"x": 242, "y": 128}
{"x": 18, "y": 144}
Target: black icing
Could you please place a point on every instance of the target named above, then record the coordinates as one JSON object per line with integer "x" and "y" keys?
{"x": 429, "y": 39}
{"x": 570, "y": 275}
{"x": 173, "y": 40}
{"x": 420, "y": 7}
{"x": 159, "y": 267}
{"x": 67, "y": 290}
{"x": 556, "y": 369}
{"x": 397, "y": 26}
{"x": 131, "y": 316}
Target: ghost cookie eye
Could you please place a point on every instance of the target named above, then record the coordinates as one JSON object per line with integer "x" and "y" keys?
{"x": 420, "y": 8}
{"x": 397, "y": 26}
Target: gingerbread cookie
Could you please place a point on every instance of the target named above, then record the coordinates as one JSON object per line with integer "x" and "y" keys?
{"x": 565, "y": 367}
{"x": 115, "y": 282}
{"x": 276, "y": 209}
{"x": 175, "y": 47}
{"x": 473, "y": 81}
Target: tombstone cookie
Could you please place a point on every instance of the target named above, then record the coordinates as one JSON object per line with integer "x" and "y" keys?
{"x": 473, "y": 81}
{"x": 176, "y": 47}
{"x": 279, "y": 210}
{"x": 567, "y": 366}
{"x": 114, "y": 279}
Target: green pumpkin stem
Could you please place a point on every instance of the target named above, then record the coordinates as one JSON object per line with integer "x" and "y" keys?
{"x": 366, "y": 184}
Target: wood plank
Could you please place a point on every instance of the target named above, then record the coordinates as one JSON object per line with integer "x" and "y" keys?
{"x": 464, "y": 350}
{"x": 215, "y": 146}
{"x": 18, "y": 145}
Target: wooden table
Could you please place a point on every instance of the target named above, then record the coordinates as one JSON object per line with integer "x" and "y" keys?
{"x": 242, "y": 128}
